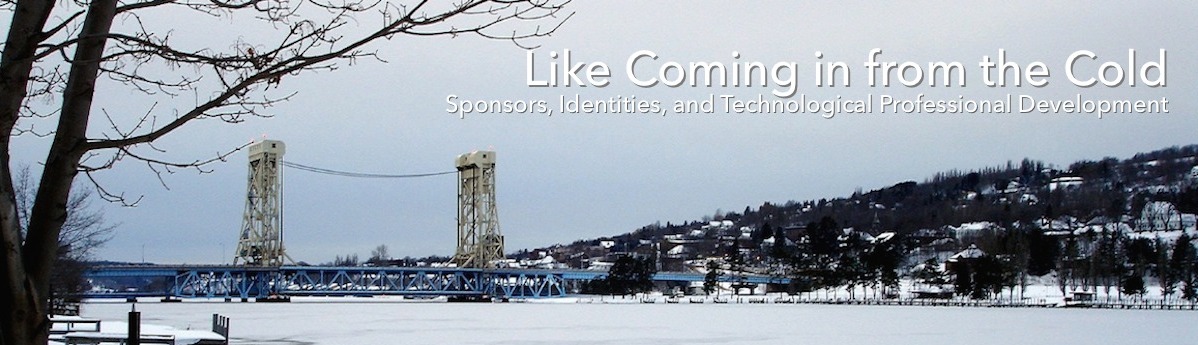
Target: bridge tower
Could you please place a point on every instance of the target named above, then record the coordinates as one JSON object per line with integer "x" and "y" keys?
{"x": 479, "y": 240}
{"x": 261, "y": 241}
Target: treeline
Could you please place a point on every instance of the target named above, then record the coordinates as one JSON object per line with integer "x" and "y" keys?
{"x": 1110, "y": 261}
{"x": 1000, "y": 260}
{"x": 827, "y": 257}
{"x": 1034, "y": 210}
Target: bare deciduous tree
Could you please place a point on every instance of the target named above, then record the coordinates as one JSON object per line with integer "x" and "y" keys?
{"x": 85, "y": 228}
{"x": 83, "y": 232}
{"x": 379, "y": 255}
{"x": 55, "y": 54}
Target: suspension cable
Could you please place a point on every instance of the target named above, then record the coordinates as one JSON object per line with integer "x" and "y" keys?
{"x": 317, "y": 170}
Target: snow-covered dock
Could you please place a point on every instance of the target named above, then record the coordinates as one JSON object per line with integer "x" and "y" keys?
{"x": 72, "y": 330}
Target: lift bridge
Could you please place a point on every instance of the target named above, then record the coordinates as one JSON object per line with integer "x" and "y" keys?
{"x": 262, "y": 268}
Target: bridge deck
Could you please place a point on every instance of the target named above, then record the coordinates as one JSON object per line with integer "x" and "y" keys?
{"x": 215, "y": 281}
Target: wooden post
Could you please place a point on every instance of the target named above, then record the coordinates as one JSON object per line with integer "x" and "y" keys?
{"x": 134, "y": 337}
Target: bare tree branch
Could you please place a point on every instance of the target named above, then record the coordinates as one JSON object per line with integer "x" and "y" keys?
{"x": 140, "y": 5}
{"x": 85, "y": 228}
{"x": 271, "y": 70}
{"x": 50, "y": 73}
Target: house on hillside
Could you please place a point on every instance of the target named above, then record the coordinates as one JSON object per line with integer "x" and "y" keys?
{"x": 718, "y": 225}
{"x": 681, "y": 252}
{"x": 936, "y": 243}
{"x": 1160, "y": 216}
{"x": 884, "y": 237}
{"x": 964, "y": 257}
{"x": 795, "y": 232}
{"x": 547, "y": 262}
{"x": 674, "y": 237}
{"x": 598, "y": 265}
{"x": 578, "y": 260}
{"x": 1028, "y": 199}
{"x": 746, "y": 232}
{"x": 1065, "y": 182}
{"x": 768, "y": 244}
{"x": 851, "y": 234}
{"x": 1013, "y": 187}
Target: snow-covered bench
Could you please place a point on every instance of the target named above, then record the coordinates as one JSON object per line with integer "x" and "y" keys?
{"x": 95, "y": 338}
{"x": 60, "y": 324}
{"x": 116, "y": 332}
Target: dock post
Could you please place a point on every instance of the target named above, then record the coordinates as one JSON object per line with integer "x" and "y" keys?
{"x": 134, "y": 327}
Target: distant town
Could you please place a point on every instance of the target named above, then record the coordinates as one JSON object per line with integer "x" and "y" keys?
{"x": 1121, "y": 226}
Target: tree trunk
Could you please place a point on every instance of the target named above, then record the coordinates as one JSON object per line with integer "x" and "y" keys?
{"x": 17, "y": 318}
{"x": 30, "y": 266}
{"x": 20, "y": 316}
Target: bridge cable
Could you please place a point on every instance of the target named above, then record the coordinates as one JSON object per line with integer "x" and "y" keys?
{"x": 325, "y": 171}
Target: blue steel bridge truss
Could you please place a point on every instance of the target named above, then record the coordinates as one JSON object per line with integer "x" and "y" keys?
{"x": 193, "y": 281}
{"x": 257, "y": 282}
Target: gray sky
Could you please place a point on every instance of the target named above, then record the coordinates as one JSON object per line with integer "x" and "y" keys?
{"x": 563, "y": 178}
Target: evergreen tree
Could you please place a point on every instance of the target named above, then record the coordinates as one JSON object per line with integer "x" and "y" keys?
{"x": 760, "y": 234}
{"x": 1108, "y": 261}
{"x": 824, "y": 248}
{"x": 1181, "y": 265}
{"x": 627, "y": 275}
{"x": 883, "y": 260}
{"x": 1067, "y": 272}
{"x": 823, "y": 237}
{"x": 1188, "y": 292}
{"x": 779, "y": 251}
{"x": 1133, "y": 284}
{"x": 736, "y": 261}
{"x": 711, "y": 279}
{"x": 1164, "y": 273}
{"x": 962, "y": 279}
{"x": 990, "y": 275}
{"x": 930, "y": 274}
{"x": 1043, "y": 252}
{"x": 851, "y": 271}
{"x": 1140, "y": 253}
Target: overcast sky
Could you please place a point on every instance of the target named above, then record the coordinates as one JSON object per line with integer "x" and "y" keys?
{"x": 564, "y": 178}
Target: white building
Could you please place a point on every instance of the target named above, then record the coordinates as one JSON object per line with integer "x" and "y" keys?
{"x": 1065, "y": 182}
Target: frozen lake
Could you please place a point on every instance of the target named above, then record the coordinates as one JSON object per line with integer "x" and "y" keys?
{"x": 529, "y": 323}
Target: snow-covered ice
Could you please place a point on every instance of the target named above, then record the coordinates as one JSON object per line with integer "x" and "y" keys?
{"x": 325, "y": 322}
